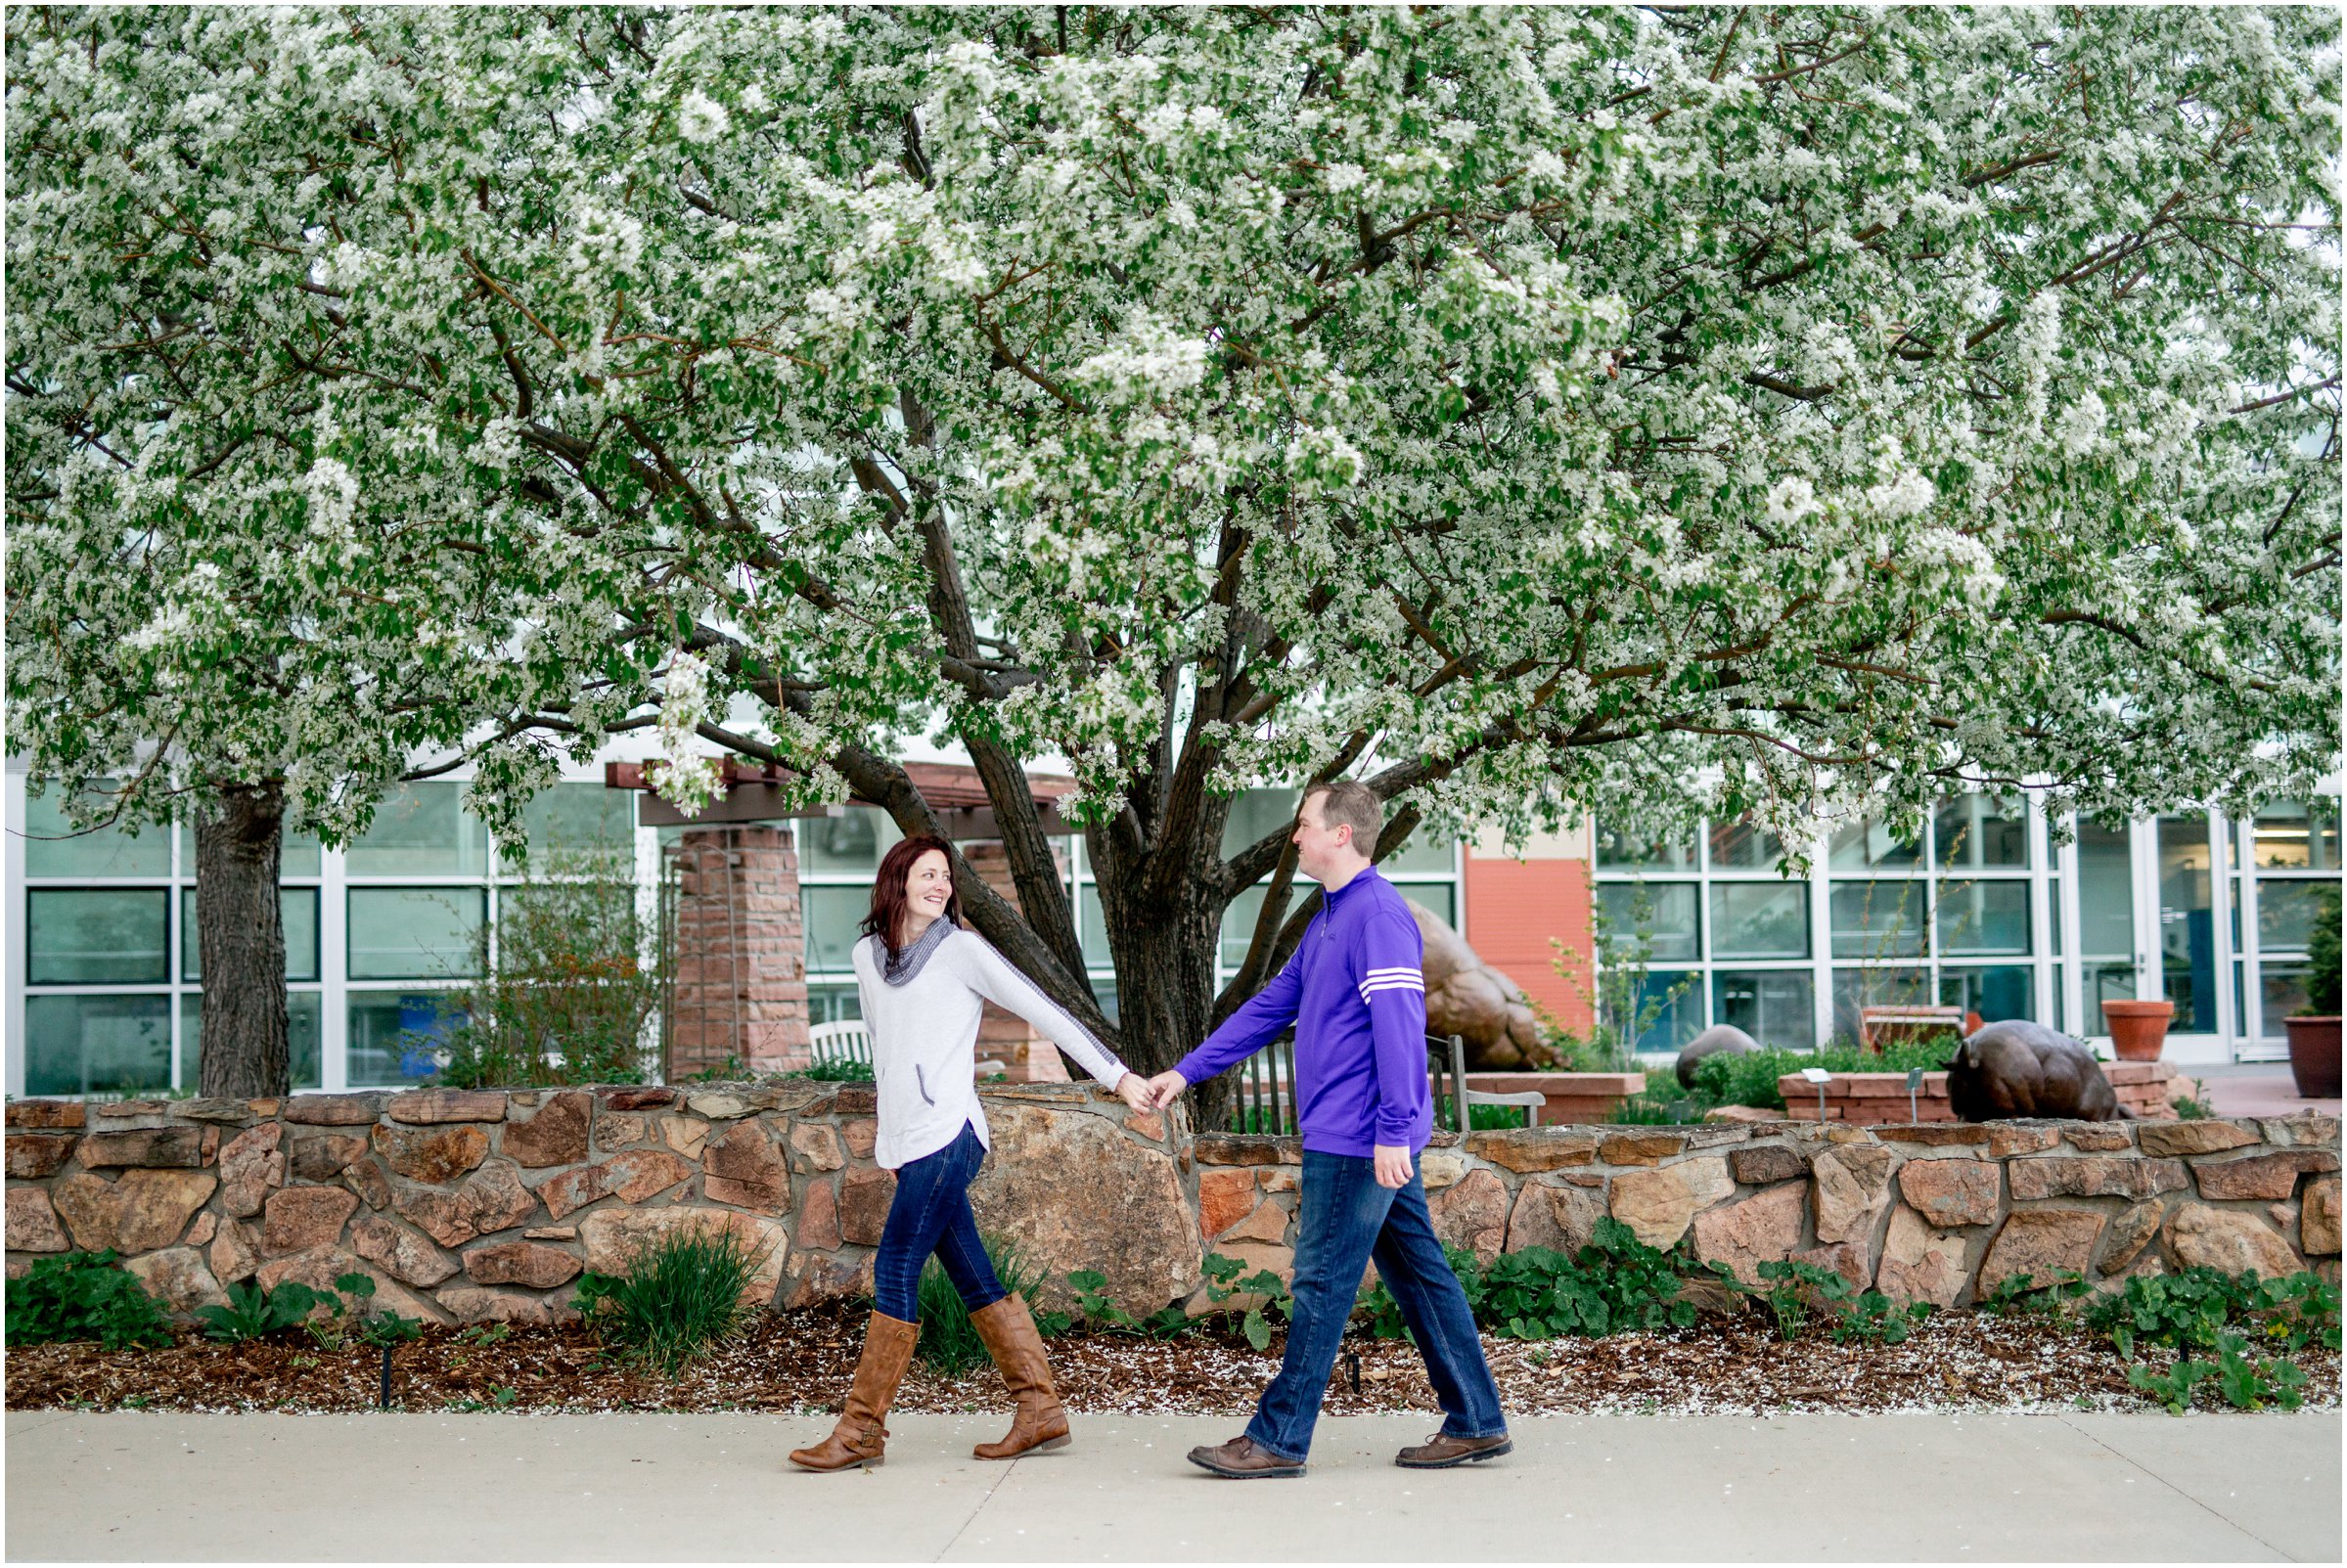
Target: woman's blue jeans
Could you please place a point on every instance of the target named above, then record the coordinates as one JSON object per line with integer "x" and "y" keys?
{"x": 1347, "y": 1220}
{"x": 931, "y": 1213}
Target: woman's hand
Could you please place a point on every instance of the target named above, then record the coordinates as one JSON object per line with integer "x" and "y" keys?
{"x": 1134, "y": 1090}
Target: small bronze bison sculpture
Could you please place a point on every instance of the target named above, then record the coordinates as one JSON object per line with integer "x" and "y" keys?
{"x": 2015, "y": 1069}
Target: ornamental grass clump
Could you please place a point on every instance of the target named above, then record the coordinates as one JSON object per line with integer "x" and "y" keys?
{"x": 83, "y": 1295}
{"x": 681, "y": 1297}
{"x": 949, "y": 1343}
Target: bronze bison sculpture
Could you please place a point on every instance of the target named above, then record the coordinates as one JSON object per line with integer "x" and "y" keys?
{"x": 2015, "y": 1069}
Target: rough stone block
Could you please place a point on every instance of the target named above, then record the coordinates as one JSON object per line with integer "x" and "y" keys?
{"x": 335, "y": 1110}
{"x": 1656, "y": 1204}
{"x": 557, "y": 1134}
{"x": 32, "y": 1156}
{"x": 2256, "y": 1175}
{"x": 422, "y": 1108}
{"x": 2008, "y": 1139}
{"x": 322, "y": 1156}
{"x": 2126, "y": 1236}
{"x": 1921, "y": 1263}
{"x": 2319, "y": 1220}
{"x": 614, "y": 1238}
{"x": 298, "y": 1219}
{"x": 33, "y": 1222}
{"x": 223, "y": 1112}
{"x": 1951, "y": 1193}
{"x": 2040, "y": 1242}
{"x": 1225, "y": 1198}
{"x": 2090, "y": 1176}
{"x": 818, "y": 1145}
{"x": 53, "y": 1114}
{"x": 143, "y": 1148}
{"x": 435, "y": 1155}
{"x": 399, "y": 1252}
{"x": 250, "y": 1166}
{"x": 1764, "y": 1227}
{"x": 177, "y": 1278}
{"x": 2227, "y": 1240}
{"x": 865, "y": 1194}
{"x": 2210, "y": 1137}
{"x": 2302, "y": 1130}
{"x": 1850, "y": 1186}
{"x": 639, "y": 1098}
{"x": 689, "y": 1135}
{"x": 533, "y": 1264}
{"x": 743, "y": 1168}
{"x": 1055, "y": 1171}
{"x": 641, "y": 1173}
{"x": 1470, "y": 1213}
{"x": 1562, "y": 1219}
{"x": 1641, "y": 1148}
{"x": 492, "y": 1200}
{"x": 1532, "y": 1150}
{"x": 1243, "y": 1148}
{"x": 146, "y": 1209}
{"x": 1767, "y": 1163}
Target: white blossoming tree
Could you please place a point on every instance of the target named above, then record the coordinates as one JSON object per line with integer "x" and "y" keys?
{"x": 250, "y": 586}
{"x": 1800, "y": 411}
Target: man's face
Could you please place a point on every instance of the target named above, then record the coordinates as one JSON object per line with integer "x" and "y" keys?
{"x": 1319, "y": 849}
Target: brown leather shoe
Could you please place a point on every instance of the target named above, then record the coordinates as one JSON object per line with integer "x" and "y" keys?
{"x": 859, "y": 1438}
{"x": 1240, "y": 1460}
{"x": 1442, "y": 1451}
{"x": 1008, "y": 1329}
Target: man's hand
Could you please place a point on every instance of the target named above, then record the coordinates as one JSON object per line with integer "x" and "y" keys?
{"x": 1133, "y": 1090}
{"x": 1165, "y": 1089}
{"x": 1393, "y": 1165}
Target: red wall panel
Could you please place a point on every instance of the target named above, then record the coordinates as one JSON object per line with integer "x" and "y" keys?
{"x": 1514, "y": 908}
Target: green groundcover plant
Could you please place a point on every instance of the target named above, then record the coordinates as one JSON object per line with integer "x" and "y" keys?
{"x": 83, "y": 1295}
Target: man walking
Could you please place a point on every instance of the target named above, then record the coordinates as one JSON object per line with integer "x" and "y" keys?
{"x": 1357, "y": 996}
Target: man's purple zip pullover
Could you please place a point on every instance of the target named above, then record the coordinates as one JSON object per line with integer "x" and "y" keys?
{"x": 1356, "y": 992}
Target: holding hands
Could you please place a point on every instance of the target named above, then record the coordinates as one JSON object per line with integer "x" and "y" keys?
{"x": 1150, "y": 1094}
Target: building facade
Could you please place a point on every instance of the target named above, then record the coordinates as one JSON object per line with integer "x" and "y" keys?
{"x": 103, "y": 987}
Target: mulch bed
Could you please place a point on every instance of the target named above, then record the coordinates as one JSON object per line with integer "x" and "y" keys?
{"x": 800, "y": 1361}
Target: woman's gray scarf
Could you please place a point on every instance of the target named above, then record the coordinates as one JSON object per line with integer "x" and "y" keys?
{"x": 900, "y": 968}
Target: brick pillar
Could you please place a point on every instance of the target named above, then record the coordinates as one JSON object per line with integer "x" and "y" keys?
{"x": 740, "y": 952}
{"x": 1005, "y": 1037}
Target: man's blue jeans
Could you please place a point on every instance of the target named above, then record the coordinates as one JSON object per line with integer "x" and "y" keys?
{"x": 931, "y": 1213}
{"x": 1347, "y": 1220}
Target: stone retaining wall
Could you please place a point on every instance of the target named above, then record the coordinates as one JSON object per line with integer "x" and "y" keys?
{"x": 1933, "y": 1211}
{"x": 468, "y": 1206}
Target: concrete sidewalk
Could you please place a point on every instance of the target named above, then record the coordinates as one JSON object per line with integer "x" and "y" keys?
{"x": 437, "y": 1487}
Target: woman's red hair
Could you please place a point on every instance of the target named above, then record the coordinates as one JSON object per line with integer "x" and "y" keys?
{"x": 887, "y": 916}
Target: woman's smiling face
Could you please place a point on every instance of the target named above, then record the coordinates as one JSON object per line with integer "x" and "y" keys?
{"x": 928, "y": 887}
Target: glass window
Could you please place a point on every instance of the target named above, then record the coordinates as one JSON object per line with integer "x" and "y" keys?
{"x": 97, "y": 1045}
{"x": 1867, "y": 845}
{"x": 1104, "y": 992}
{"x": 2002, "y": 990}
{"x": 2105, "y": 893}
{"x": 1744, "y": 846}
{"x": 421, "y": 829}
{"x": 53, "y": 848}
{"x": 832, "y": 916}
{"x": 1775, "y": 1007}
{"x": 1092, "y": 932}
{"x": 297, "y": 912}
{"x": 566, "y": 822}
{"x": 834, "y": 1004}
{"x": 1982, "y": 918}
{"x": 851, "y": 842}
{"x": 1759, "y": 920}
{"x": 96, "y": 938}
{"x": 2283, "y": 989}
{"x": 2187, "y": 927}
{"x": 1239, "y": 919}
{"x": 1678, "y": 996}
{"x": 1876, "y": 919}
{"x": 2107, "y": 982}
{"x": 2298, "y": 835}
{"x": 2286, "y": 909}
{"x": 2053, "y": 916}
{"x": 420, "y": 934}
{"x": 1424, "y": 851}
{"x": 395, "y": 1035}
{"x": 1876, "y": 986}
{"x": 1255, "y": 812}
{"x": 1664, "y": 911}
{"x": 1981, "y": 831}
{"x": 302, "y": 1019}
{"x": 1441, "y": 898}
{"x": 1620, "y": 847}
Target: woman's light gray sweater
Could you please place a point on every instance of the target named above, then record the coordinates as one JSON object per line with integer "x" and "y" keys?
{"x": 924, "y": 1032}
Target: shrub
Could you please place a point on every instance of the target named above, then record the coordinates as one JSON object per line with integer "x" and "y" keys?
{"x": 949, "y": 1342}
{"x": 842, "y": 1071}
{"x": 1613, "y": 1284}
{"x": 2192, "y": 1309}
{"x": 83, "y": 1295}
{"x": 2195, "y": 1106}
{"x": 570, "y": 1001}
{"x": 2322, "y": 957}
{"x": 680, "y": 1297}
{"x": 252, "y": 1312}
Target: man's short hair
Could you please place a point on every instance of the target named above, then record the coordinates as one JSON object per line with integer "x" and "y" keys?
{"x": 1349, "y": 803}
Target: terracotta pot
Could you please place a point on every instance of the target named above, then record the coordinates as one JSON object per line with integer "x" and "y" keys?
{"x": 2138, "y": 1029}
{"x": 2314, "y": 1056}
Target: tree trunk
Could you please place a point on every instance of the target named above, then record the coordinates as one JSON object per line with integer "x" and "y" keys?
{"x": 1164, "y": 949}
{"x": 239, "y": 844}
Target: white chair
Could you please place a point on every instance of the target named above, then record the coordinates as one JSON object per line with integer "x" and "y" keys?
{"x": 833, "y": 1043}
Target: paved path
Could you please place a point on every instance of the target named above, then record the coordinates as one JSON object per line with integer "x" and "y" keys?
{"x": 2256, "y": 1088}
{"x": 714, "y": 1488}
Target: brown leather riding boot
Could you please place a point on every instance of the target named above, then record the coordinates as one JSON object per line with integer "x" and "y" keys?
{"x": 1008, "y": 1330}
{"x": 860, "y": 1438}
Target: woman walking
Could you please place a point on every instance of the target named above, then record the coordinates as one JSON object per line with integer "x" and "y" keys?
{"x": 922, "y": 981}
